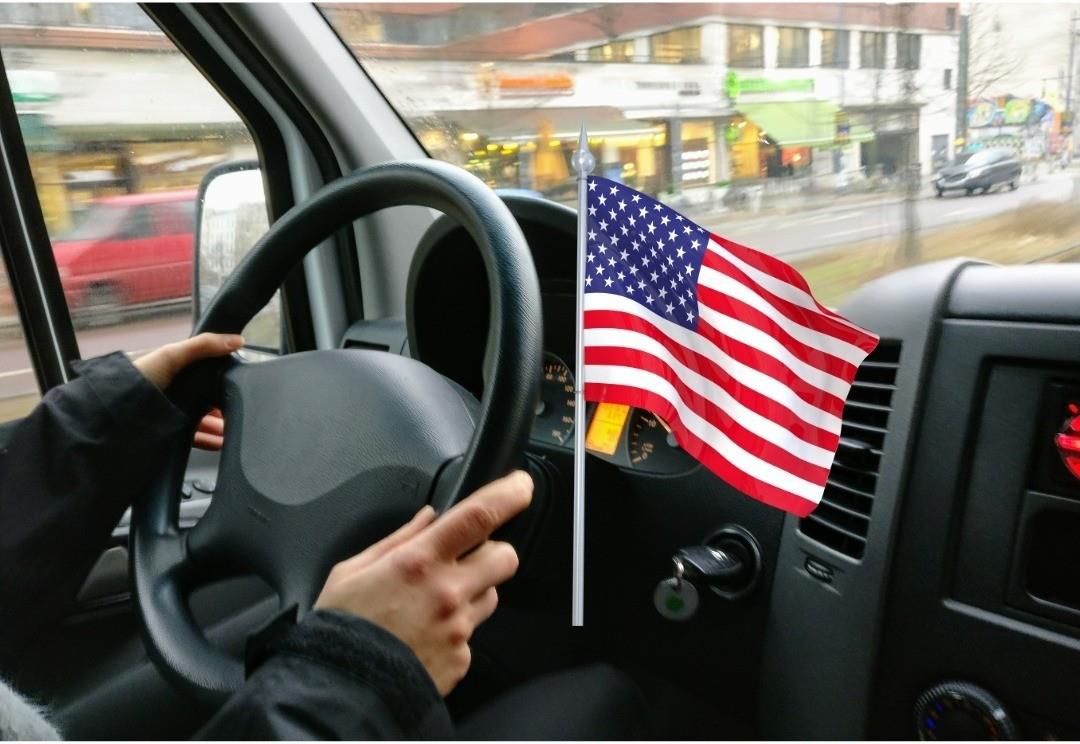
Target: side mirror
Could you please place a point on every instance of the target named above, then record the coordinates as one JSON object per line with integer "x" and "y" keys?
{"x": 230, "y": 216}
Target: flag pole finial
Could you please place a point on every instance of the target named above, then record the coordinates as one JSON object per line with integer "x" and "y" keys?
{"x": 582, "y": 160}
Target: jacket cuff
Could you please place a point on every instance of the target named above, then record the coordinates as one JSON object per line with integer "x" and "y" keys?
{"x": 370, "y": 654}
{"x": 126, "y": 393}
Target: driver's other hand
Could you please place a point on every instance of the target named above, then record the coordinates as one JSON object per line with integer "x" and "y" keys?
{"x": 210, "y": 435}
{"x": 433, "y": 581}
{"x": 162, "y": 365}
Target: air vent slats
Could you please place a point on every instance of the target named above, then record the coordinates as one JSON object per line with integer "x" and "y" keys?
{"x": 842, "y": 520}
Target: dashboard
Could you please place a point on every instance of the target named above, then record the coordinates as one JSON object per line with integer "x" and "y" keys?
{"x": 933, "y": 592}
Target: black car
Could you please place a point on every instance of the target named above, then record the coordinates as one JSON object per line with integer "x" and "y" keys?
{"x": 983, "y": 170}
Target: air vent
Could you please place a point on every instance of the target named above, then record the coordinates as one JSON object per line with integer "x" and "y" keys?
{"x": 842, "y": 518}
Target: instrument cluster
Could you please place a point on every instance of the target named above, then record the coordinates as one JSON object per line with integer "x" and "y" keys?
{"x": 623, "y": 435}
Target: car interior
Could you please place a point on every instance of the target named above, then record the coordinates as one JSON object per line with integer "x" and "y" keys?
{"x": 427, "y": 346}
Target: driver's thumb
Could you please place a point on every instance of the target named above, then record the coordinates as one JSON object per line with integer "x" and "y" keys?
{"x": 204, "y": 346}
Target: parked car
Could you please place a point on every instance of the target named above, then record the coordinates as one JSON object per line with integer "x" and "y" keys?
{"x": 983, "y": 170}
{"x": 134, "y": 249}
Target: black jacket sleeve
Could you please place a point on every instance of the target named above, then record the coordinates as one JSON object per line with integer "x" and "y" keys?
{"x": 335, "y": 676}
{"x": 67, "y": 472}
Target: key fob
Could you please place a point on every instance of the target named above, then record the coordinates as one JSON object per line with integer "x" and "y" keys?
{"x": 676, "y": 600}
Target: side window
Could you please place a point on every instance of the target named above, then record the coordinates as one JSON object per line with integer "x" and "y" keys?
{"x": 173, "y": 219}
{"x": 116, "y": 153}
{"x": 137, "y": 224}
{"x": 18, "y": 384}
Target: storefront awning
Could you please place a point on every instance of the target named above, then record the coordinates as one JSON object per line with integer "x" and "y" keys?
{"x": 802, "y": 123}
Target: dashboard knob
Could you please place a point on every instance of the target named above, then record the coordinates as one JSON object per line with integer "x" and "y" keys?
{"x": 953, "y": 711}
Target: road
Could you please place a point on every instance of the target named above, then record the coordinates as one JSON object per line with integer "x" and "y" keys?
{"x": 805, "y": 232}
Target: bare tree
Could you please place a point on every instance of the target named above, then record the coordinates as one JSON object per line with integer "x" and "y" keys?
{"x": 991, "y": 58}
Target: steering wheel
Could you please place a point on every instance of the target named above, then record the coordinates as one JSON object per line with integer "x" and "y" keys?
{"x": 328, "y": 451}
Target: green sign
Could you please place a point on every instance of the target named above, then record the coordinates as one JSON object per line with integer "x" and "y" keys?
{"x": 734, "y": 85}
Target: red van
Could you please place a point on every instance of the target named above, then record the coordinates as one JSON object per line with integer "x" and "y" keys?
{"x": 134, "y": 249}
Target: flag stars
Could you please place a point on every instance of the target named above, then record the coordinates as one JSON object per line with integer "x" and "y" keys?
{"x": 687, "y": 229}
{"x": 614, "y": 190}
{"x": 652, "y": 227}
{"x": 599, "y": 269}
{"x": 603, "y": 225}
{"x": 602, "y": 199}
{"x": 620, "y": 276}
{"x": 622, "y": 205}
{"x": 624, "y": 255}
{"x": 588, "y": 281}
{"x": 664, "y": 220}
{"x": 662, "y": 293}
{"x": 625, "y": 230}
{"x": 608, "y": 282}
{"x": 592, "y": 235}
{"x": 611, "y": 262}
{"x": 680, "y": 252}
{"x": 670, "y": 308}
{"x": 633, "y": 270}
{"x": 592, "y": 211}
{"x": 629, "y": 289}
{"x": 643, "y": 213}
{"x": 689, "y": 317}
{"x": 611, "y": 214}
{"x": 648, "y": 299}
{"x": 635, "y": 198}
{"x": 590, "y": 257}
{"x": 592, "y": 185}
{"x": 689, "y": 269}
{"x": 694, "y": 244}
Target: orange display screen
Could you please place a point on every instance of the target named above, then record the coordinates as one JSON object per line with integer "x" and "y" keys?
{"x": 606, "y": 427}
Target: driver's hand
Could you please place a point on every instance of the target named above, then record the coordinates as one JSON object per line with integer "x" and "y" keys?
{"x": 433, "y": 581}
{"x": 162, "y": 365}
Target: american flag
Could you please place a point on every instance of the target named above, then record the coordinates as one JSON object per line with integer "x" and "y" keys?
{"x": 723, "y": 342}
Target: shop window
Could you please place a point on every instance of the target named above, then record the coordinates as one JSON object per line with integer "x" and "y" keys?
{"x": 678, "y": 45}
{"x": 908, "y": 49}
{"x": 835, "y": 48}
{"x": 615, "y": 51}
{"x": 744, "y": 46}
{"x": 794, "y": 50}
{"x": 872, "y": 50}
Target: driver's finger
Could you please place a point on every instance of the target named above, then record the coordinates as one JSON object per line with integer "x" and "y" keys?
{"x": 483, "y": 606}
{"x": 371, "y": 554}
{"x": 489, "y": 565}
{"x": 471, "y": 521}
{"x": 212, "y": 423}
{"x": 209, "y": 442}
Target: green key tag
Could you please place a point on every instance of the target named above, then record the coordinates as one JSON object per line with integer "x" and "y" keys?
{"x": 676, "y": 599}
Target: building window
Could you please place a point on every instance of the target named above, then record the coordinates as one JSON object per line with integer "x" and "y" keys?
{"x": 613, "y": 51}
{"x": 835, "y": 48}
{"x": 744, "y": 47}
{"x": 947, "y": 83}
{"x": 950, "y": 19}
{"x": 908, "y": 48}
{"x": 794, "y": 49}
{"x": 678, "y": 45}
{"x": 872, "y": 50}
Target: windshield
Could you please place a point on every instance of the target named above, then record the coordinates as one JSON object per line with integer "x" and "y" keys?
{"x": 984, "y": 158}
{"x": 95, "y": 222}
{"x": 815, "y": 132}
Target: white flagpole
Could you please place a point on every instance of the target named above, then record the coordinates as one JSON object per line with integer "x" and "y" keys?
{"x": 583, "y": 162}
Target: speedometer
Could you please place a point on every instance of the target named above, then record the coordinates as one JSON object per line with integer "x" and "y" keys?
{"x": 554, "y": 422}
{"x": 653, "y": 447}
